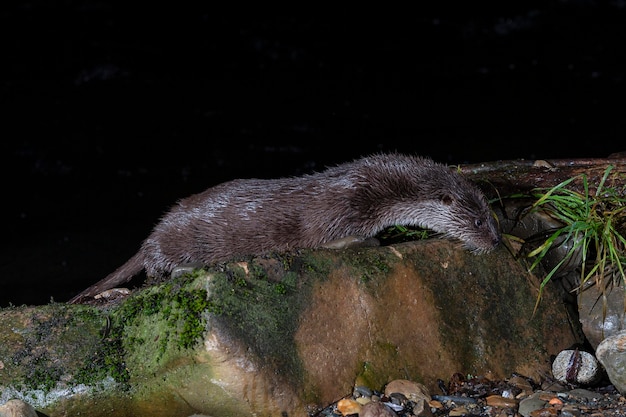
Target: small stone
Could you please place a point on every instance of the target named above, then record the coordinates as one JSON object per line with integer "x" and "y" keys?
{"x": 500, "y": 401}
{"x": 456, "y": 399}
{"x": 521, "y": 383}
{"x": 570, "y": 411}
{"x": 545, "y": 412}
{"x": 507, "y": 394}
{"x": 553, "y": 385}
{"x": 546, "y": 396}
{"x": 584, "y": 393}
{"x": 422, "y": 409}
{"x": 414, "y": 391}
{"x": 395, "y": 407}
{"x": 530, "y": 404}
{"x": 555, "y": 401}
{"x": 435, "y": 404}
{"x": 362, "y": 390}
{"x": 348, "y": 406}
{"x": 17, "y": 408}
{"x": 376, "y": 409}
{"x": 574, "y": 366}
{"x": 363, "y": 400}
{"x": 397, "y": 398}
{"x": 458, "y": 411}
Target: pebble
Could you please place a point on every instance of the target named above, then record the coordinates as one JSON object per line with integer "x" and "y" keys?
{"x": 363, "y": 400}
{"x": 545, "y": 412}
{"x": 570, "y": 411}
{"x": 348, "y": 406}
{"x": 455, "y": 399}
{"x": 413, "y": 391}
{"x": 530, "y": 404}
{"x": 17, "y": 408}
{"x": 573, "y": 366}
{"x": 584, "y": 393}
{"x": 500, "y": 401}
{"x": 377, "y": 409}
{"x": 458, "y": 411}
{"x": 482, "y": 397}
{"x": 362, "y": 390}
{"x": 422, "y": 409}
{"x": 521, "y": 384}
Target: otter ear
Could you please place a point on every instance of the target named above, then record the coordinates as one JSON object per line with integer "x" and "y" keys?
{"x": 447, "y": 199}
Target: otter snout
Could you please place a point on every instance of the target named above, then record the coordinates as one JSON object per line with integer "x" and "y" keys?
{"x": 486, "y": 237}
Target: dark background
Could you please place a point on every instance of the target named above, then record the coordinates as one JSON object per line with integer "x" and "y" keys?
{"x": 112, "y": 112}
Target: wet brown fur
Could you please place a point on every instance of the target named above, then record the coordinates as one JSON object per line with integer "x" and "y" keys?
{"x": 358, "y": 198}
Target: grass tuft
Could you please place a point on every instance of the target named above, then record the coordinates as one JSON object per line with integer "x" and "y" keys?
{"x": 593, "y": 225}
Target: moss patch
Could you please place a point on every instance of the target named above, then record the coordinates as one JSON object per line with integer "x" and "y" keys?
{"x": 260, "y": 302}
{"x": 160, "y": 324}
{"x": 49, "y": 344}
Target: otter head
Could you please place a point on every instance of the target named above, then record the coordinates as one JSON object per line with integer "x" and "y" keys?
{"x": 470, "y": 219}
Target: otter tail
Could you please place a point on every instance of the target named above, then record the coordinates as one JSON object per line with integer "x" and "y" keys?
{"x": 122, "y": 274}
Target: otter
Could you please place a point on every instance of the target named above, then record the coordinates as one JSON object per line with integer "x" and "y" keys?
{"x": 357, "y": 198}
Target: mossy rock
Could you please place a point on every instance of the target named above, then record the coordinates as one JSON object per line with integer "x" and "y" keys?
{"x": 283, "y": 333}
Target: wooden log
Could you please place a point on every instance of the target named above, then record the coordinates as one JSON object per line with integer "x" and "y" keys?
{"x": 502, "y": 178}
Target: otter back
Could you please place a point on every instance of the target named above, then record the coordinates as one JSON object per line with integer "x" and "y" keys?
{"x": 358, "y": 198}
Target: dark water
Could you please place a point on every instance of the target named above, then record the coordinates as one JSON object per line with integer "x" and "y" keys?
{"x": 113, "y": 113}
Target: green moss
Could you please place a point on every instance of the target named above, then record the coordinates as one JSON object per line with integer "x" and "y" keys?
{"x": 371, "y": 264}
{"x": 372, "y": 377}
{"x": 190, "y": 306}
{"x": 159, "y": 324}
{"x": 262, "y": 307}
{"x": 316, "y": 264}
{"x": 50, "y": 342}
{"x": 106, "y": 361}
{"x": 158, "y": 327}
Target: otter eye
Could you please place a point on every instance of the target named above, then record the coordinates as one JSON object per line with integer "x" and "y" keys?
{"x": 478, "y": 223}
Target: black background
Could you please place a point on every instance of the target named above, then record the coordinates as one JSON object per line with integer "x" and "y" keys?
{"x": 112, "y": 112}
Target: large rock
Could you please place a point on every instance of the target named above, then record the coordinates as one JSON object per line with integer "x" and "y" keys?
{"x": 602, "y": 314}
{"x": 611, "y": 353}
{"x": 285, "y": 334}
{"x": 603, "y": 321}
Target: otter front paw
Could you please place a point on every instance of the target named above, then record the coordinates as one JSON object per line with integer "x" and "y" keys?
{"x": 351, "y": 242}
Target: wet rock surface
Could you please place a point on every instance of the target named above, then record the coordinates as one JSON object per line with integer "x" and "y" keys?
{"x": 602, "y": 313}
{"x": 611, "y": 353}
{"x": 294, "y": 332}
